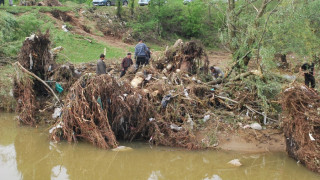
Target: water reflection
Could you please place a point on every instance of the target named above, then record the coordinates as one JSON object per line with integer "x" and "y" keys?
{"x": 26, "y": 153}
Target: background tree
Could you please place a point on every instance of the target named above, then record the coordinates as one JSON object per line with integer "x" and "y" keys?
{"x": 119, "y": 8}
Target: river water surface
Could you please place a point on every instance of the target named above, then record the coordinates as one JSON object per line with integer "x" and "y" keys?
{"x": 26, "y": 153}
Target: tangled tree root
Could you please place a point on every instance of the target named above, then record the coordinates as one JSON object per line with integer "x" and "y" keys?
{"x": 100, "y": 110}
{"x": 35, "y": 56}
{"x": 188, "y": 57}
{"x": 302, "y": 125}
{"x": 26, "y": 105}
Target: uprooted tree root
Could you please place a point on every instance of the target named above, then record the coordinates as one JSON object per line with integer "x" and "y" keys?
{"x": 302, "y": 124}
{"x": 188, "y": 57}
{"x": 34, "y": 56}
{"x": 101, "y": 111}
{"x": 26, "y": 104}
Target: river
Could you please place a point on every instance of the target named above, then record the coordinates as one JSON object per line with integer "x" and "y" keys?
{"x": 26, "y": 153}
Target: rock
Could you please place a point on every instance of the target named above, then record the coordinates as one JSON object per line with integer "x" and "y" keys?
{"x": 235, "y": 162}
{"x": 256, "y": 126}
{"x": 122, "y": 148}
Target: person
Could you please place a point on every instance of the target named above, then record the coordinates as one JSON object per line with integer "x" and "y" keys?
{"x": 148, "y": 56}
{"x": 308, "y": 72}
{"x": 1, "y": 2}
{"x": 126, "y": 63}
{"x": 140, "y": 54}
{"x": 10, "y": 2}
{"x": 101, "y": 66}
{"x": 216, "y": 72}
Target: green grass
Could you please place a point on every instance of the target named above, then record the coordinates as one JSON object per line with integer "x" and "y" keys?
{"x": 7, "y": 101}
{"x": 78, "y": 50}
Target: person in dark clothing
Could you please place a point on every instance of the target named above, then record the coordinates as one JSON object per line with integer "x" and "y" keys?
{"x": 216, "y": 72}
{"x": 148, "y": 56}
{"x": 101, "y": 66}
{"x": 1, "y": 2}
{"x": 126, "y": 63}
{"x": 140, "y": 53}
{"x": 308, "y": 72}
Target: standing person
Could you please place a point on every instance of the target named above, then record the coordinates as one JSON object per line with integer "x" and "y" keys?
{"x": 10, "y": 2}
{"x": 148, "y": 56}
{"x": 101, "y": 66}
{"x": 126, "y": 63}
{"x": 308, "y": 72}
{"x": 216, "y": 72}
{"x": 140, "y": 53}
{"x": 1, "y": 2}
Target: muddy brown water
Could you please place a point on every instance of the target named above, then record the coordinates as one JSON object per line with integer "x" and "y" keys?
{"x": 26, "y": 153}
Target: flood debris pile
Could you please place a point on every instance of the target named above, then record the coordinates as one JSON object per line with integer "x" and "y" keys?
{"x": 102, "y": 111}
{"x": 35, "y": 57}
{"x": 26, "y": 101}
{"x": 37, "y": 75}
{"x": 302, "y": 125}
{"x": 187, "y": 57}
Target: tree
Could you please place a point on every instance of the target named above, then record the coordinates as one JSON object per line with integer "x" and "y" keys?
{"x": 119, "y": 8}
{"x": 132, "y": 7}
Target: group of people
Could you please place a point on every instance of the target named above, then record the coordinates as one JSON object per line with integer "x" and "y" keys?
{"x": 142, "y": 55}
{"x": 308, "y": 72}
{"x": 10, "y": 2}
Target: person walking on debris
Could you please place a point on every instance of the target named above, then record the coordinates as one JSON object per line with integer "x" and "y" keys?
{"x": 1, "y": 2}
{"x": 148, "y": 57}
{"x": 216, "y": 72}
{"x": 308, "y": 72}
{"x": 126, "y": 63}
{"x": 140, "y": 54}
{"x": 101, "y": 66}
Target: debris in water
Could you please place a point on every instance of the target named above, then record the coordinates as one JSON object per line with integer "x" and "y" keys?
{"x": 122, "y": 148}
{"x": 235, "y": 162}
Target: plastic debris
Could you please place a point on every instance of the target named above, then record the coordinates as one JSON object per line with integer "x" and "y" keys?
{"x": 122, "y": 148}
{"x": 165, "y": 100}
{"x": 256, "y": 126}
{"x": 175, "y": 127}
{"x": 100, "y": 102}
{"x": 31, "y": 38}
{"x": 64, "y": 28}
{"x": 57, "y": 113}
{"x": 148, "y": 78}
{"x": 58, "y": 126}
{"x": 311, "y": 137}
{"x": 185, "y": 91}
{"x": 206, "y": 118}
{"x": 59, "y": 88}
{"x": 235, "y": 162}
{"x": 190, "y": 122}
{"x": 214, "y": 177}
